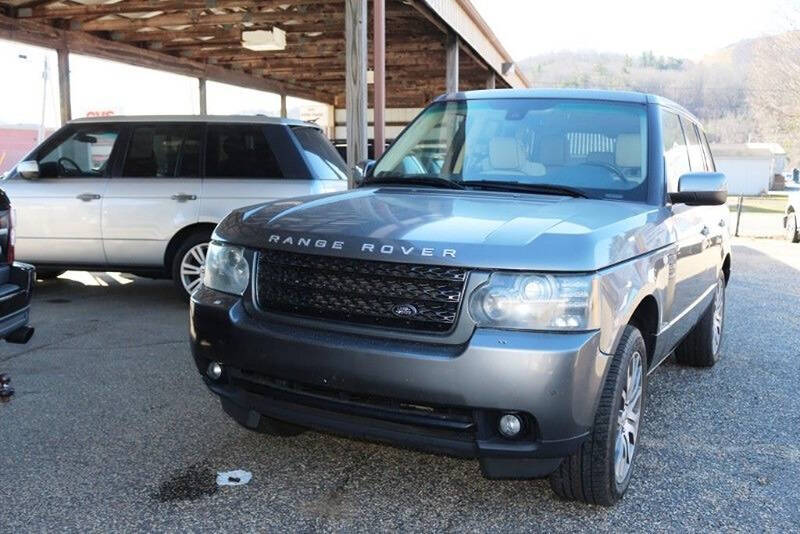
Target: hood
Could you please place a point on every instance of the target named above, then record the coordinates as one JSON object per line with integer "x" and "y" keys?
{"x": 466, "y": 228}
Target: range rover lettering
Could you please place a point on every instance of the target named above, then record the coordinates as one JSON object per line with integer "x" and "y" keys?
{"x": 500, "y": 285}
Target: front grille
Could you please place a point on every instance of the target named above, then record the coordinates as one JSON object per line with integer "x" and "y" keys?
{"x": 361, "y": 291}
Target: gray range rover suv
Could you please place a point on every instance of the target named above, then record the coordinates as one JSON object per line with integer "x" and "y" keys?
{"x": 500, "y": 285}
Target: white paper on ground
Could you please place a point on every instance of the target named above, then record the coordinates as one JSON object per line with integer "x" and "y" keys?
{"x": 237, "y": 477}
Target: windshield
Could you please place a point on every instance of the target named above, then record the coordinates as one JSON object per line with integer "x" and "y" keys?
{"x": 596, "y": 147}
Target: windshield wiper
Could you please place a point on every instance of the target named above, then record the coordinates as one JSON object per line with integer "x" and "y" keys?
{"x": 413, "y": 179}
{"x": 545, "y": 189}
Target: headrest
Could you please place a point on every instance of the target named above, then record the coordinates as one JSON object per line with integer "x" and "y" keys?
{"x": 552, "y": 150}
{"x": 504, "y": 154}
{"x": 629, "y": 150}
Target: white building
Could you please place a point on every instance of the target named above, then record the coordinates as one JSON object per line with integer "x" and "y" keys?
{"x": 750, "y": 167}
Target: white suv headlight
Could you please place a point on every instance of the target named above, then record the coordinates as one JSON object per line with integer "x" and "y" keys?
{"x": 528, "y": 301}
{"x": 226, "y": 269}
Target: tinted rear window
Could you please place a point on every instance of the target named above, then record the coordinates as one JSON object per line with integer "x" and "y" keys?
{"x": 240, "y": 151}
{"x": 322, "y": 157}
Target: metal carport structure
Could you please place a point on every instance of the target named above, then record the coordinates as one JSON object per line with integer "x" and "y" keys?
{"x": 428, "y": 47}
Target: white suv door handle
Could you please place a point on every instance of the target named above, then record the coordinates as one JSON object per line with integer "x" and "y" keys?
{"x": 183, "y": 197}
{"x": 88, "y": 197}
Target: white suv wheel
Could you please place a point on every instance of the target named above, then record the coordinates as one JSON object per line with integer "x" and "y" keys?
{"x": 192, "y": 266}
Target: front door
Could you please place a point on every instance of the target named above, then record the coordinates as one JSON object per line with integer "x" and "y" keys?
{"x": 156, "y": 195}
{"x": 58, "y": 215}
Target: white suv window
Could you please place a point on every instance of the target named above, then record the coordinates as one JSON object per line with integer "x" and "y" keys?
{"x": 240, "y": 151}
{"x": 85, "y": 153}
{"x": 162, "y": 150}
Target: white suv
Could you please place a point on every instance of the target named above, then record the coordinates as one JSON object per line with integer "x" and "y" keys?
{"x": 142, "y": 194}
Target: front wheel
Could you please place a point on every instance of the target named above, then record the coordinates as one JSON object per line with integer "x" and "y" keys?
{"x": 600, "y": 471}
{"x": 792, "y": 234}
{"x": 189, "y": 263}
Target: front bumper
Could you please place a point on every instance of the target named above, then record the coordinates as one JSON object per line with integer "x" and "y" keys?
{"x": 16, "y": 288}
{"x": 444, "y": 398}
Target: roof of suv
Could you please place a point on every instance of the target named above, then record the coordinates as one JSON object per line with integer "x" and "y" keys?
{"x": 239, "y": 119}
{"x": 578, "y": 94}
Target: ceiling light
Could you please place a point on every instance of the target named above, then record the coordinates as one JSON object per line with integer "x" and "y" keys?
{"x": 264, "y": 40}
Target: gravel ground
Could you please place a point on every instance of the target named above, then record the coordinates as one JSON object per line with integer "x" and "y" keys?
{"x": 112, "y": 429}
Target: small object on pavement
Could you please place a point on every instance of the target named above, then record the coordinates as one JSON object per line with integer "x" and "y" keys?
{"x": 238, "y": 477}
{"x": 4, "y": 379}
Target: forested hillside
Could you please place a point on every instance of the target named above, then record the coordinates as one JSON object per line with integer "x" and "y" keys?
{"x": 747, "y": 91}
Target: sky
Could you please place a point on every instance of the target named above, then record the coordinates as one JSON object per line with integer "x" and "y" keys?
{"x": 680, "y": 28}
{"x": 525, "y": 27}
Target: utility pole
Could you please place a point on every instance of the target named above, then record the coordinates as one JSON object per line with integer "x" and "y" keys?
{"x": 40, "y": 137}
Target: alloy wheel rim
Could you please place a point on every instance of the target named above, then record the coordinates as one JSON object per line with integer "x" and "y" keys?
{"x": 192, "y": 267}
{"x": 628, "y": 419}
{"x": 719, "y": 315}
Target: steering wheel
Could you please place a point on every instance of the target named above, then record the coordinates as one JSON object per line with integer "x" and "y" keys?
{"x": 62, "y": 168}
{"x": 616, "y": 171}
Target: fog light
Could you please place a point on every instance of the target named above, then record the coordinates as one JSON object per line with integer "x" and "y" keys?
{"x": 214, "y": 370}
{"x": 510, "y": 425}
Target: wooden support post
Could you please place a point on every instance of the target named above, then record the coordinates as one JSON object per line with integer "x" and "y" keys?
{"x": 63, "y": 85}
{"x": 491, "y": 80}
{"x": 331, "y": 122}
{"x": 356, "y": 82}
{"x": 379, "y": 59}
{"x": 203, "y": 102}
{"x": 452, "y": 63}
{"x": 284, "y": 109}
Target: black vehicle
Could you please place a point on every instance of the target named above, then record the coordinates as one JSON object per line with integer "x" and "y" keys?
{"x": 16, "y": 282}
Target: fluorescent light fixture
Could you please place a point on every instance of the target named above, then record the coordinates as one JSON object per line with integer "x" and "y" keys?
{"x": 264, "y": 40}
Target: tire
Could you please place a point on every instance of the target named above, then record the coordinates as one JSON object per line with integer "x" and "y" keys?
{"x": 266, "y": 425}
{"x": 591, "y": 473}
{"x": 792, "y": 233}
{"x": 197, "y": 242}
{"x": 701, "y": 348}
{"x": 48, "y": 274}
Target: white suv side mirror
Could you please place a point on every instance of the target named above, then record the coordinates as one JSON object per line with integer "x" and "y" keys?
{"x": 28, "y": 170}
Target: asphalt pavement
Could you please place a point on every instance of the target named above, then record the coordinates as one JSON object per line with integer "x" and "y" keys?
{"x": 111, "y": 429}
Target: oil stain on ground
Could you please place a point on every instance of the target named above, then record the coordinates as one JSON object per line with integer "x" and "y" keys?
{"x": 192, "y": 483}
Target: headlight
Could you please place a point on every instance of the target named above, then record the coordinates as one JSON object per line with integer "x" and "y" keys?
{"x": 226, "y": 269}
{"x": 535, "y": 302}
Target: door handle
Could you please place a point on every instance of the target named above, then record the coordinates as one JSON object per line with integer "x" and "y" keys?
{"x": 183, "y": 197}
{"x": 705, "y": 231}
{"x": 87, "y": 197}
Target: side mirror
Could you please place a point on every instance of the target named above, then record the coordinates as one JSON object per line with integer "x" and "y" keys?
{"x": 701, "y": 189}
{"x": 28, "y": 170}
{"x": 363, "y": 170}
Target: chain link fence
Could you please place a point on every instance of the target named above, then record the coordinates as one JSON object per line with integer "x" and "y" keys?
{"x": 757, "y": 216}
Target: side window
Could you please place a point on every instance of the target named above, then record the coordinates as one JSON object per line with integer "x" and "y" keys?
{"x": 83, "y": 154}
{"x": 153, "y": 151}
{"x": 189, "y": 158}
{"x": 707, "y": 152}
{"x": 676, "y": 155}
{"x": 239, "y": 151}
{"x": 696, "y": 159}
{"x": 324, "y": 160}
